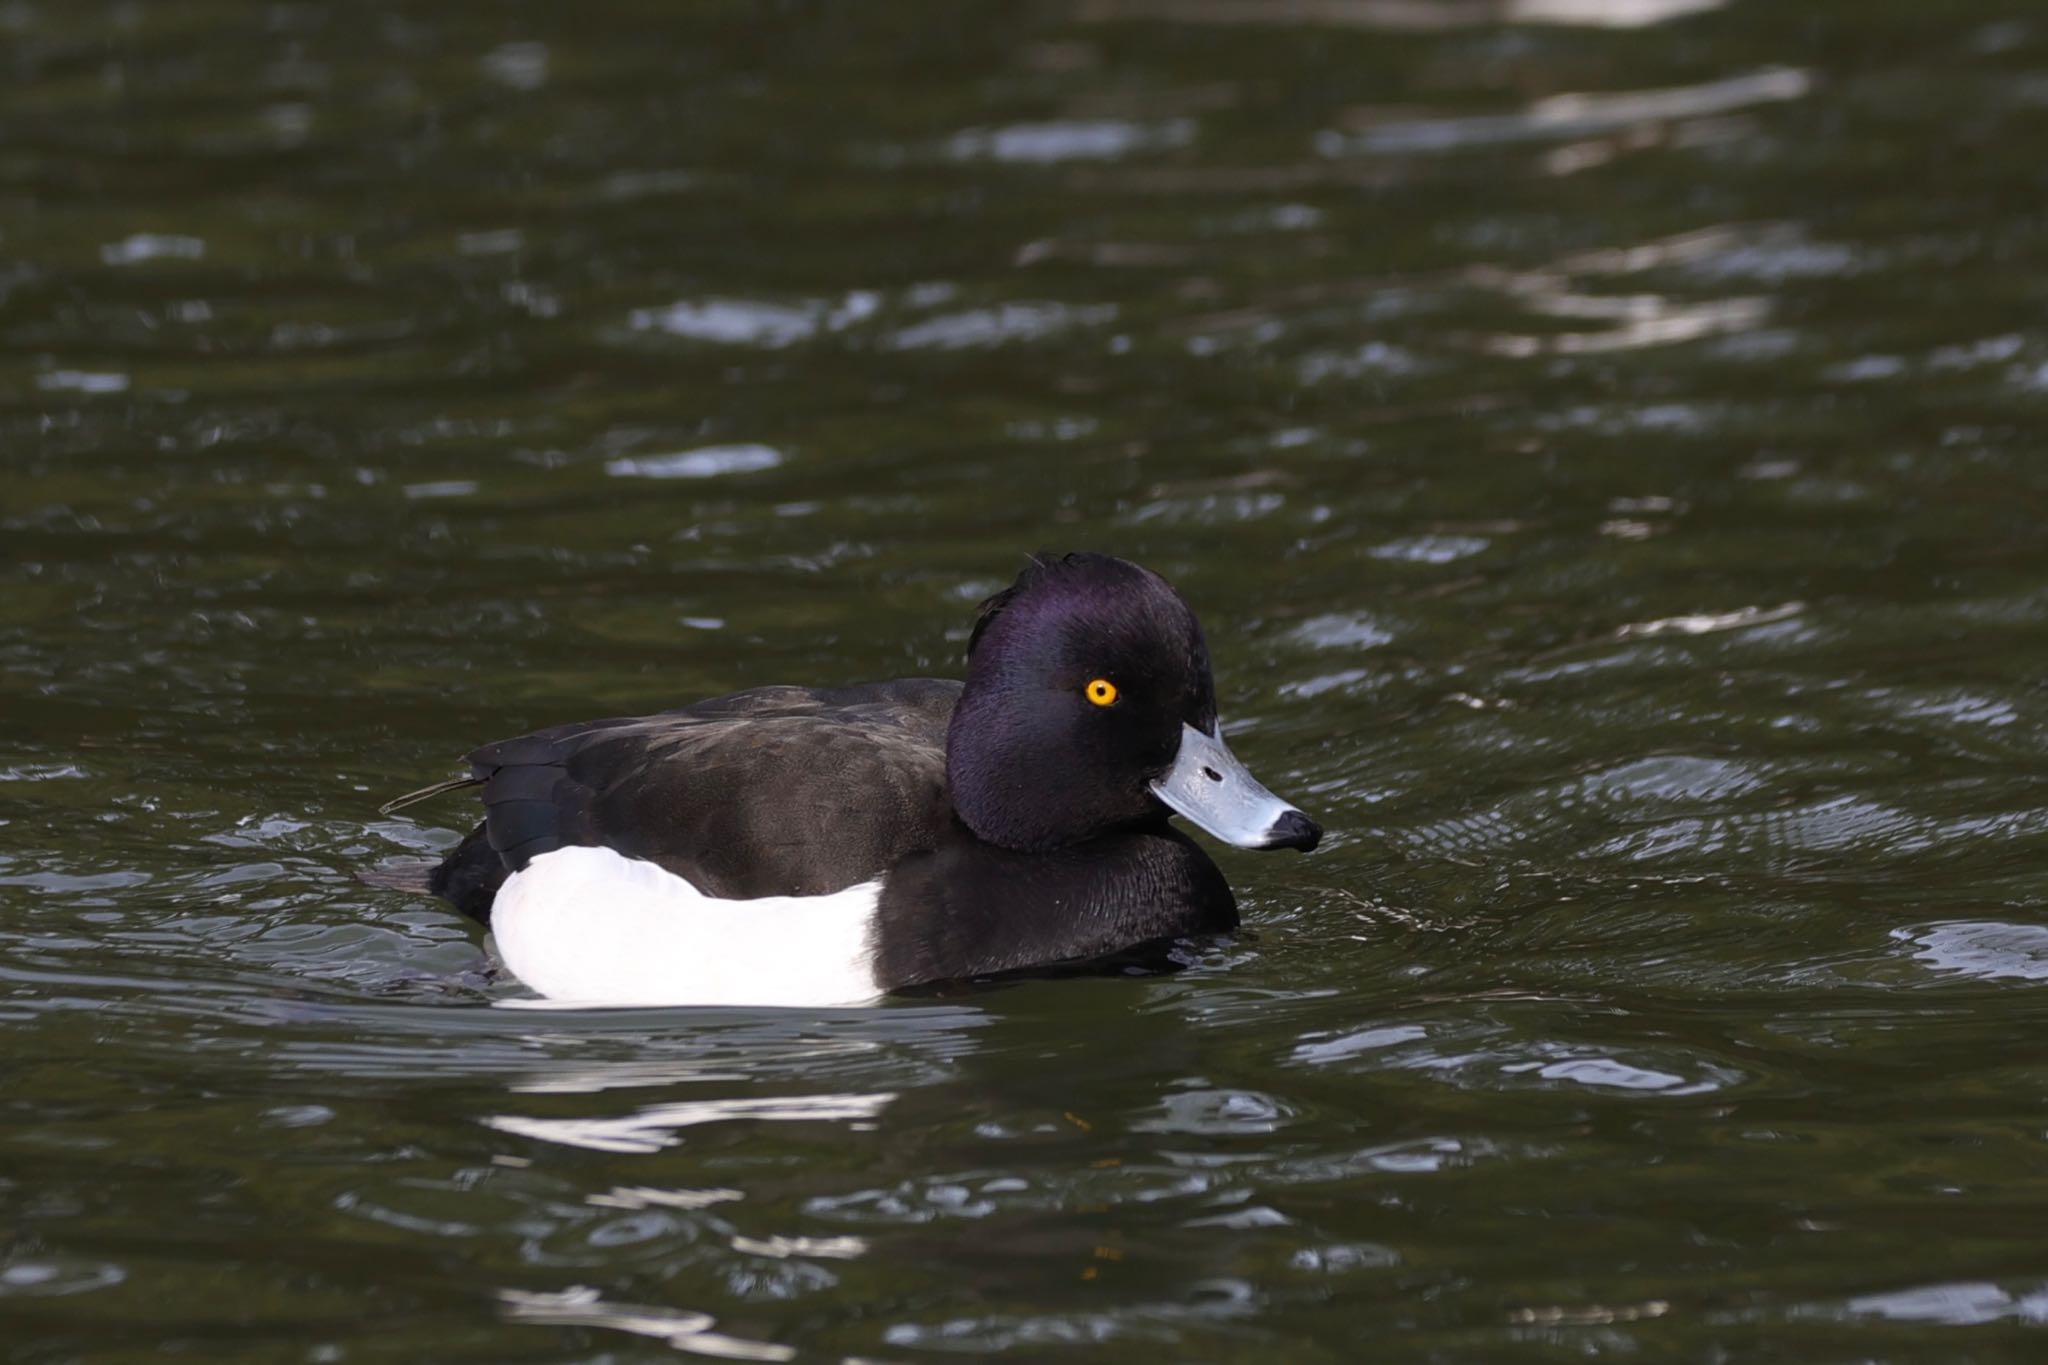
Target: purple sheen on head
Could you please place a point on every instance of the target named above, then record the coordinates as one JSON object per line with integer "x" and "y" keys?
{"x": 1052, "y": 582}
{"x": 1032, "y": 765}
{"x": 1091, "y": 612}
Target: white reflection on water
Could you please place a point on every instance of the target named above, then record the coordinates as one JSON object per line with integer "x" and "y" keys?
{"x": 756, "y": 322}
{"x": 705, "y": 462}
{"x": 1955, "y": 1305}
{"x": 1224, "y": 1113}
{"x": 1319, "y": 1047}
{"x": 82, "y": 381}
{"x": 1709, "y": 623}
{"x": 735, "y": 321}
{"x": 1404, "y": 16}
{"x": 1067, "y": 140}
{"x": 1353, "y": 630}
{"x": 655, "y": 1127}
{"x": 782, "y": 1248}
{"x": 583, "y": 1306}
{"x": 441, "y": 488}
{"x": 1683, "y": 248}
{"x": 1770, "y": 252}
{"x": 523, "y": 66}
{"x": 151, "y": 246}
{"x": 1588, "y": 1314}
{"x": 1606, "y": 13}
{"x": 1986, "y": 949}
{"x": 1571, "y": 115}
{"x": 1432, "y": 549}
{"x": 1003, "y": 323}
{"x": 41, "y": 772}
{"x": 654, "y": 1197}
{"x": 1609, "y": 1073}
{"x": 50, "y": 1277}
{"x": 1652, "y": 321}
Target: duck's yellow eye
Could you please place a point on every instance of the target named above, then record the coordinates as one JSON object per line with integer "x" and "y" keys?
{"x": 1101, "y": 691}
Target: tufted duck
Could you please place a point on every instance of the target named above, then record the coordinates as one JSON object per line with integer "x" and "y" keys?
{"x": 804, "y": 846}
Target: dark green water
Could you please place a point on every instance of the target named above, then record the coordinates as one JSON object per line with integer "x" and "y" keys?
{"x": 1607, "y": 462}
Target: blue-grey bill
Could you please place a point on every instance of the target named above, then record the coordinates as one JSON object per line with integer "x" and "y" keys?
{"x": 1210, "y": 787}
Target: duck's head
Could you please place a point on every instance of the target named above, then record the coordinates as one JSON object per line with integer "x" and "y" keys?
{"x": 1089, "y": 707}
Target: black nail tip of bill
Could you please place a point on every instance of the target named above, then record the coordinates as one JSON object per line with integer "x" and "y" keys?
{"x": 1294, "y": 830}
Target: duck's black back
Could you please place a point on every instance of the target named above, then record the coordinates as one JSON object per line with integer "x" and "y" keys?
{"x": 771, "y": 792}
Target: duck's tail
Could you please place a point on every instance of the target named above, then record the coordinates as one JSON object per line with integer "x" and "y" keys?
{"x": 468, "y": 878}
{"x": 415, "y": 877}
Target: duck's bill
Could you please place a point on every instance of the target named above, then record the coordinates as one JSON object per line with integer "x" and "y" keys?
{"x": 1210, "y": 787}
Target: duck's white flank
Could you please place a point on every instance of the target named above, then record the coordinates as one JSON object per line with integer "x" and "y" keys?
{"x": 594, "y": 926}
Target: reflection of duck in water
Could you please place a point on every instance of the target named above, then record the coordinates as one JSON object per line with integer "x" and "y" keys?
{"x": 804, "y": 846}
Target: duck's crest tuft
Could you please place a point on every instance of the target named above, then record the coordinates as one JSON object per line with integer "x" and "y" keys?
{"x": 1038, "y": 567}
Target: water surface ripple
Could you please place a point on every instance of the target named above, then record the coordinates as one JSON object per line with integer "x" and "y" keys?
{"x": 1595, "y": 433}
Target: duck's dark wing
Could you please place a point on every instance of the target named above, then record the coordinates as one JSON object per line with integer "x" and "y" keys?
{"x": 776, "y": 791}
